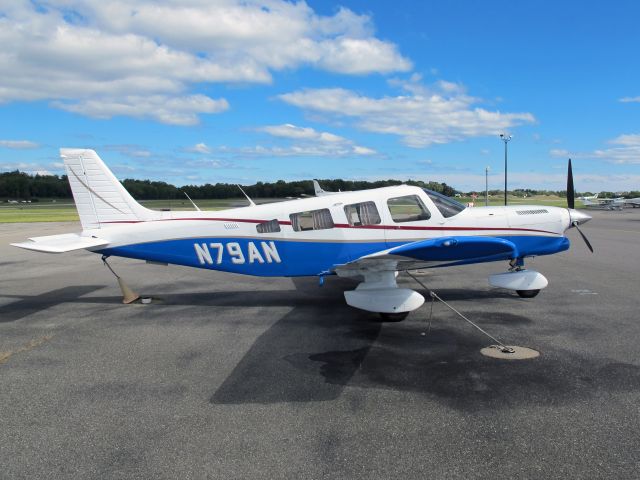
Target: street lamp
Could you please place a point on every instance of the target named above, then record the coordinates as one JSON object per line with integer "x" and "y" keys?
{"x": 505, "y": 138}
{"x": 486, "y": 186}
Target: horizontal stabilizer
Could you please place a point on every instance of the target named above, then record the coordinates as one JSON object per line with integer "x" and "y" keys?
{"x": 61, "y": 243}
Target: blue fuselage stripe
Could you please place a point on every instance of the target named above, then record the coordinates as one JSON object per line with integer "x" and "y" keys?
{"x": 255, "y": 256}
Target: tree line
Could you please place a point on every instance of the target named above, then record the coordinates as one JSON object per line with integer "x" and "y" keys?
{"x": 22, "y": 186}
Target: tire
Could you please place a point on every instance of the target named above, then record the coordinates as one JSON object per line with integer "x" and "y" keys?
{"x": 393, "y": 317}
{"x": 527, "y": 293}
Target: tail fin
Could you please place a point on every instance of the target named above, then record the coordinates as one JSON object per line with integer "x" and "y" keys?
{"x": 100, "y": 198}
{"x": 318, "y": 189}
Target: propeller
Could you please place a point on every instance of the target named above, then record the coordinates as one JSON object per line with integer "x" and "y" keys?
{"x": 570, "y": 191}
{"x": 575, "y": 224}
{"x": 576, "y": 217}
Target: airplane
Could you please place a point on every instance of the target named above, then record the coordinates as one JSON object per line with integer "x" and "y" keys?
{"x": 633, "y": 202}
{"x": 370, "y": 234}
{"x": 319, "y": 192}
{"x": 588, "y": 198}
{"x": 603, "y": 203}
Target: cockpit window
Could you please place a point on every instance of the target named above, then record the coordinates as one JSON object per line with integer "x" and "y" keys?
{"x": 447, "y": 206}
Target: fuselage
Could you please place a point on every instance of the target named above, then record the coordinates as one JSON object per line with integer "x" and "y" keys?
{"x": 313, "y": 236}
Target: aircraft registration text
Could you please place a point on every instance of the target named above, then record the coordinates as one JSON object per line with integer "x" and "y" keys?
{"x": 215, "y": 253}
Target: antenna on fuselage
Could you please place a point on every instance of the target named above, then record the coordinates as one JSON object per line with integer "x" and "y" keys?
{"x": 251, "y": 202}
{"x": 192, "y": 202}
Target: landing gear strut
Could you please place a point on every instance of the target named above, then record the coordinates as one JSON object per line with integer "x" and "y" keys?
{"x": 526, "y": 283}
{"x": 128, "y": 295}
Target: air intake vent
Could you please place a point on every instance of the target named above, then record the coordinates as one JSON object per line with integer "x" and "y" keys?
{"x": 532, "y": 212}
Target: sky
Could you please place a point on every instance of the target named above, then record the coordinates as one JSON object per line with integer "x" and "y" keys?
{"x": 206, "y": 91}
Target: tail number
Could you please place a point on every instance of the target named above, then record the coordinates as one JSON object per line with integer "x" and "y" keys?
{"x": 266, "y": 253}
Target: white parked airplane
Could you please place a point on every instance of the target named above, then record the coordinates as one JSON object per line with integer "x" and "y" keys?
{"x": 603, "y": 203}
{"x": 633, "y": 202}
{"x": 371, "y": 234}
{"x": 589, "y": 198}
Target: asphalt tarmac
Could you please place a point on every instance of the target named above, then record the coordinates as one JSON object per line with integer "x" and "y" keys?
{"x": 224, "y": 376}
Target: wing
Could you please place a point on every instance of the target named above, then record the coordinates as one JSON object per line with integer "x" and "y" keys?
{"x": 440, "y": 252}
{"x": 61, "y": 243}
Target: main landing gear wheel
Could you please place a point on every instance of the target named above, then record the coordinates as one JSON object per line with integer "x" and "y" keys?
{"x": 527, "y": 293}
{"x": 393, "y": 317}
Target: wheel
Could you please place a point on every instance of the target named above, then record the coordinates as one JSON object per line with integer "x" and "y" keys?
{"x": 527, "y": 293}
{"x": 393, "y": 317}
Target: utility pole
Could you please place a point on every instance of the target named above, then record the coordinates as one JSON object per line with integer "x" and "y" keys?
{"x": 486, "y": 186}
{"x": 505, "y": 138}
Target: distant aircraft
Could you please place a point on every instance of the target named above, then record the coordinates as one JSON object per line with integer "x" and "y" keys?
{"x": 319, "y": 192}
{"x": 633, "y": 202}
{"x": 369, "y": 234}
{"x": 603, "y": 203}
{"x": 589, "y": 198}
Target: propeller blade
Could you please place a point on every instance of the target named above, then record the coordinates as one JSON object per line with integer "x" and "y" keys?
{"x": 575, "y": 224}
{"x": 570, "y": 190}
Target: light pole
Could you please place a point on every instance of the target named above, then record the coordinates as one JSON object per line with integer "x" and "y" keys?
{"x": 505, "y": 138}
{"x": 486, "y": 186}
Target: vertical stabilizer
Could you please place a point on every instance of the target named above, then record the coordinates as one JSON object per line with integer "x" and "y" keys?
{"x": 100, "y": 198}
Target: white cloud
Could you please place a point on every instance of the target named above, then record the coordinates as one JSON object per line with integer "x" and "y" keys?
{"x": 165, "y": 109}
{"x": 199, "y": 148}
{"x": 630, "y": 100}
{"x": 422, "y": 116}
{"x": 625, "y": 150}
{"x": 310, "y": 142}
{"x": 30, "y": 168}
{"x": 288, "y": 130}
{"x": 142, "y": 59}
{"x": 18, "y": 144}
{"x": 627, "y": 140}
{"x": 335, "y": 151}
{"x": 135, "y": 151}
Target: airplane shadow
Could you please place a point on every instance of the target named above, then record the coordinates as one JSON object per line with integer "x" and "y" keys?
{"x": 322, "y": 346}
{"x": 28, "y": 305}
{"x": 313, "y": 354}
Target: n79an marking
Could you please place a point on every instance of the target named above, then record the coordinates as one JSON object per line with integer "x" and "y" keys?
{"x": 234, "y": 251}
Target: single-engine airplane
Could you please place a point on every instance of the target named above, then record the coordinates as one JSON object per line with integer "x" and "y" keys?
{"x": 371, "y": 234}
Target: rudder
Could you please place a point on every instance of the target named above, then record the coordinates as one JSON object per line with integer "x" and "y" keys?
{"x": 99, "y": 197}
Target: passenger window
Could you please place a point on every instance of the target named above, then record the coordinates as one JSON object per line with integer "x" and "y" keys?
{"x": 311, "y": 220}
{"x": 407, "y": 209}
{"x": 268, "y": 227}
{"x": 360, "y": 214}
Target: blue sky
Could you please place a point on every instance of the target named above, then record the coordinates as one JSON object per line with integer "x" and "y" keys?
{"x": 226, "y": 91}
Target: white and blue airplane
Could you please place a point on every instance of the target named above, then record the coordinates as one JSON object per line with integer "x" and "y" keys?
{"x": 369, "y": 234}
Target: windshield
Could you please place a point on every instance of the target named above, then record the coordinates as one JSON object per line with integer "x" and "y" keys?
{"x": 448, "y": 207}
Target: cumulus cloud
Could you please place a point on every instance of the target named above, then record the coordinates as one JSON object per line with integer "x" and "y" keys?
{"x": 135, "y": 151}
{"x": 165, "y": 109}
{"x": 630, "y": 100}
{"x": 143, "y": 58}
{"x": 422, "y": 115}
{"x": 625, "y": 150}
{"x": 310, "y": 142}
{"x": 199, "y": 148}
{"x": 18, "y": 144}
